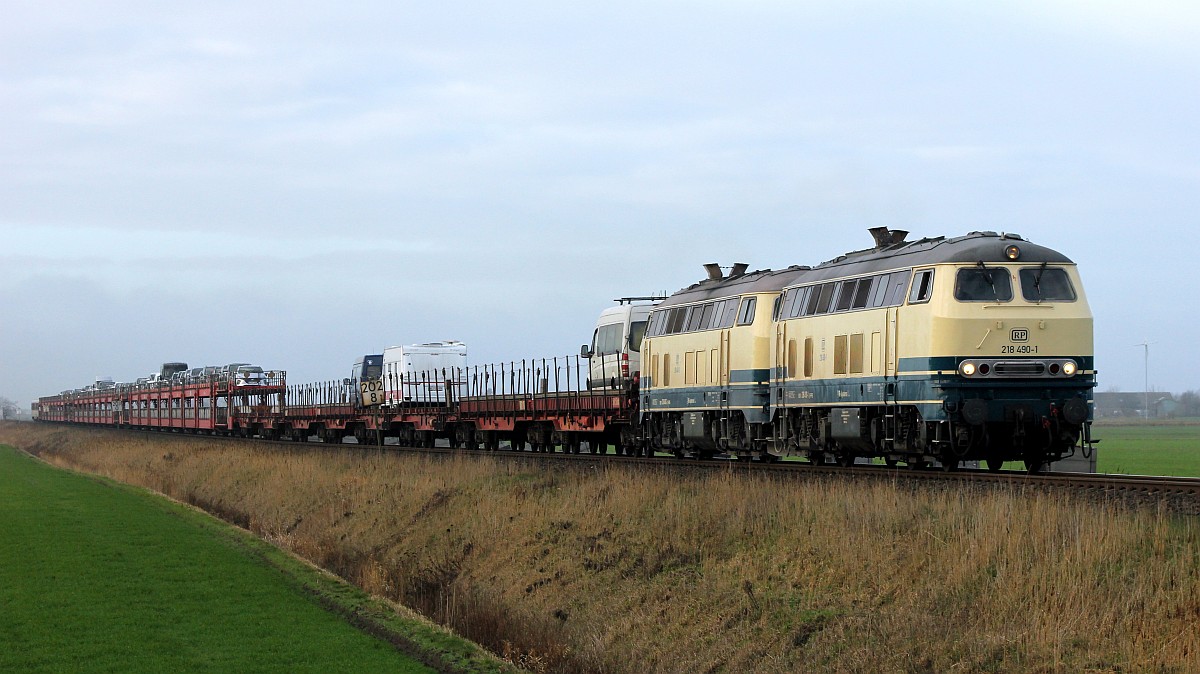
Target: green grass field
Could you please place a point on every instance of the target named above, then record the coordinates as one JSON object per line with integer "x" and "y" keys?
{"x": 1149, "y": 449}
{"x": 97, "y": 576}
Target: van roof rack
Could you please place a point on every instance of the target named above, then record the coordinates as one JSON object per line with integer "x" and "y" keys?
{"x": 631, "y": 300}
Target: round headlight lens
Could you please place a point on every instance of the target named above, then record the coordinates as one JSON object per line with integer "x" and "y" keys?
{"x": 967, "y": 369}
{"x": 1013, "y": 253}
{"x": 1069, "y": 368}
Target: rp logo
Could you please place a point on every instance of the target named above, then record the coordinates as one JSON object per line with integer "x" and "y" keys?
{"x": 1020, "y": 335}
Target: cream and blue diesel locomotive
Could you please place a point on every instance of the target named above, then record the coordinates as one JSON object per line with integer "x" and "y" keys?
{"x": 941, "y": 350}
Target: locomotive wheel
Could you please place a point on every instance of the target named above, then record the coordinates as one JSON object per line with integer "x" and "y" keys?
{"x": 994, "y": 465}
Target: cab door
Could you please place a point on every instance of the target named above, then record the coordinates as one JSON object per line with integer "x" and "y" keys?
{"x": 890, "y": 343}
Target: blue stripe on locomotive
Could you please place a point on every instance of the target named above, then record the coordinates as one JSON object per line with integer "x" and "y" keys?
{"x": 918, "y": 383}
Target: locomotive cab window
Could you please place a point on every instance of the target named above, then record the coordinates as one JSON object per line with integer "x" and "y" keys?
{"x": 746, "y": 314}
{"x": 731, "y": 307}
{"x": 1046, "y": 284}
{"x": 922, "y": 287}
{"x": 983, "y": 284}
{"x": 899, "y": 282}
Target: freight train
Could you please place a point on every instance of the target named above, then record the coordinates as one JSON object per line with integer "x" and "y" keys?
{"x": 928, "y": 352}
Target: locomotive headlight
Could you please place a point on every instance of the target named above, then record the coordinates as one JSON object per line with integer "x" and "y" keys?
{"x": 967, "y": 369}
{"x": 1013, "y": 253}
{"x": 1069, "y": 368}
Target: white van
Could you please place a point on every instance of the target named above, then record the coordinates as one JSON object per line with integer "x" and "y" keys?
{"x": 421, "y": 373}
{"x": 614, "y": 356}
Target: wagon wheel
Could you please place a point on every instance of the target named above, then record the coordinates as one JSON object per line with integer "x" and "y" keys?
{"x": 994, "y": 464}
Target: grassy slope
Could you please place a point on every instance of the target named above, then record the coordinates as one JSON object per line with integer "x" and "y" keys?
{"x": 96, "y": 576}
{"x": 622, "y": 569}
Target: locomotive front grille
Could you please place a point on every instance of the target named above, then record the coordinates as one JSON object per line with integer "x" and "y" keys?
{"x": 1018, "y": 369}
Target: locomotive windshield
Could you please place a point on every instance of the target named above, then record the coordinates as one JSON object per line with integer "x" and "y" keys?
{"x": 1046, "y": 284}
{"x": 983, "y": 284}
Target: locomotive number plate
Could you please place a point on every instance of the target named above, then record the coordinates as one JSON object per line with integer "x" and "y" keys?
{"x": 371, "y": 392}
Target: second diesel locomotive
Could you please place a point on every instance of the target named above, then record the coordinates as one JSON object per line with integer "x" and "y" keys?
{"x": 942, "y": 350}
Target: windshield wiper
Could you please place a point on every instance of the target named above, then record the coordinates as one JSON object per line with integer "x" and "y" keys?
{"x": 1037, "y": 282}
{"x": 987, "y": 276}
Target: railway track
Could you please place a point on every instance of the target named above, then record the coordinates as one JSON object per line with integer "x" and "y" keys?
{"x": 1177, "y": 494}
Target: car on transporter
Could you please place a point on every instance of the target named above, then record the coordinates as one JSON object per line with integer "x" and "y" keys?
{"x": 614, "y": 355}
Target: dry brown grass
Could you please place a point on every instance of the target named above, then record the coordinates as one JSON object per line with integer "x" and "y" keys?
{"x": 616, "y": 570}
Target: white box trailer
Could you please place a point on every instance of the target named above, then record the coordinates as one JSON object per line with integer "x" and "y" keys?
{"x": 423, "y": 373}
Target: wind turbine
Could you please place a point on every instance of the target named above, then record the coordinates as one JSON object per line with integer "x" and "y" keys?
{"x": 1146, "y": 390}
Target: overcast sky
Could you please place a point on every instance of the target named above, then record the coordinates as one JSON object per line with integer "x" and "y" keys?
{"x": 295, "y": 183}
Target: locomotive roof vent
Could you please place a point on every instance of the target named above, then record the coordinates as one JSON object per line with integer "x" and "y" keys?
{"x": 715, "y": 273}
{"x": 885, "y": 237}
